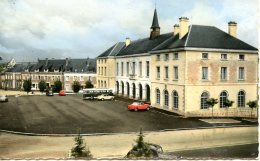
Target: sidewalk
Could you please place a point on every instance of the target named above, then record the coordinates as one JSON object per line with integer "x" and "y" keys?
{"x": 13, "y": 93}
{"x": 117, "y": 145}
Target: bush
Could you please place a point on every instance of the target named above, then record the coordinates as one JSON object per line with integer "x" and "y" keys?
{"x": 141, "y": 149}
{"x": 42, "y": 85}
{"x": 27, "y": 85}
{"x": 80, "y": 148}
{"x": 57, "y": 86}
{"x": 88, "y": 84}
{"x": 76, "y": 86}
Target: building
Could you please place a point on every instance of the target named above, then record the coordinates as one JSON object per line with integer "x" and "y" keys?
{"x": 66, "y": 70}
{"x": 180, "y": 70}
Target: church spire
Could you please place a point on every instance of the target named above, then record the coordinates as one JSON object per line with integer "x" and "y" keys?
{"x": 155, "y": 28}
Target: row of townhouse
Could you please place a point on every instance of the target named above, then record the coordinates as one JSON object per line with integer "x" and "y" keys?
{"x": 66, "y": 70}
{"x": 180, "y": 70}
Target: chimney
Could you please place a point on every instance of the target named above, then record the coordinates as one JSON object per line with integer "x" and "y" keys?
{"x": 232, "y": 28}
{"x": 67, "y": 61}
{"x": 184, "y": 26}
{"x": 176, "y": 29}
{"x": 127, "y": 41}
{"x": 46, "y": 61}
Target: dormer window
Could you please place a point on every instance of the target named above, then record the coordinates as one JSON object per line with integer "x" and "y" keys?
{"x": 205, "y": 55}
{"x": 45, "y": 70}
{"x": 241, "y": 57}
{"x": 56, "y": 70}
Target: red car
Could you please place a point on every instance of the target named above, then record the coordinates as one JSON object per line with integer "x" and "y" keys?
{"x": 139, "y": 106}
{"x": 62, "y": 93}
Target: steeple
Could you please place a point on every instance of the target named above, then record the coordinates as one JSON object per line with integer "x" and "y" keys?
{"x": 155, "y": 28}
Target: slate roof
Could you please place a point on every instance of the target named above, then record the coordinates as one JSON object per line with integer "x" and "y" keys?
{"x": 113, "y": 50}
{"x": 17, "y": 68}
{"x": 81, "y": 65}
{"x": 205, "y": 37}
{"x": 143, "y": 45}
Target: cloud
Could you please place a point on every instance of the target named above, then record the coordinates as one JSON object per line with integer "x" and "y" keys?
{"x": 85, "y": 28}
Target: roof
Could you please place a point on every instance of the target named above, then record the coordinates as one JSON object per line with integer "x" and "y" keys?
{"x": 18, "y": 67}
{"x": 113, "y": 50}
{"x": 155, "y": 23}
{"x": 205, "y": 37}
{"x": 143, "y": 45}
{"x": 81, "y": 65}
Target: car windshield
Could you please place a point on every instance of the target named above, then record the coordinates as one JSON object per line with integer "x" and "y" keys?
{"x": 136, "y": 103}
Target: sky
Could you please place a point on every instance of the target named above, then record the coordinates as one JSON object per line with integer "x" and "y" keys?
{"x": 32, "y": 29}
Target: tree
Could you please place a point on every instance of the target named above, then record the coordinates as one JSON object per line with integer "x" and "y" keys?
{"x": 80, "y": 148}
{"x": 228, "y": 103}
{"x": 27, "y": 85}
{"x": 42, "y": 85}
{"x": 88, "y": 84}
{"x": 252, "y": 105}
{"x": 57, "y": 86}
{"x": 76, "y": 86}
{"x": 211, "y": 102}
{"x": 141, "y": 149}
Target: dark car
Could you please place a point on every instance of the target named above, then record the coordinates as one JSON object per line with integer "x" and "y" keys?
{"x": 49, "y": 93}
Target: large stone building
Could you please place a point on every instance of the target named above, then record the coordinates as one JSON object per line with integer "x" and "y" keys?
{"x": 50, "y": 70}
{"x": 180, "y": 70}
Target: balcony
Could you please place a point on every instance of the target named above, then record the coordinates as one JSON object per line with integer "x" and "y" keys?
{"x": 132, "y": 77}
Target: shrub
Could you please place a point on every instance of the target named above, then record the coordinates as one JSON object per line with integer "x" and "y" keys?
{"x": 80, "y": 148}
{"x": 57, "y": 86}
{"x": 42, "y": 85}
{"x": 27, "y": 85}
{"x": 88, "y": 84}
{"x": 76, "y": 86}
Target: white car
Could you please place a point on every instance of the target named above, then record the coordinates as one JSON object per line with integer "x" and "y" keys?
{"x": 105, "y": 97}
{"x": 3, "y": 98}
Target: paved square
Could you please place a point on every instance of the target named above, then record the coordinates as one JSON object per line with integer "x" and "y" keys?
{"x": 65, "y": 114}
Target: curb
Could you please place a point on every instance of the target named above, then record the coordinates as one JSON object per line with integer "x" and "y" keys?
{"x": 102, "y": 134}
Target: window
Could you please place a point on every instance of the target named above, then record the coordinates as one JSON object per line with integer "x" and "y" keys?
{"x": 203, "y": 100}
{"x": 127, "y": 68}
{"x": 158, "y": 72}
{"x": 241, "y": 57}
{"x": 166, "y": 73}
{"x": 157, "y": 96}
{"x": 204, "y": 73}
{"x": 122, "y": 68}
{"x": 223, "y": 74}
{"x": 101, "y": 70}
{"x": 175, "y": 100}
{"x": 117, "y": 68}
{"x": 166, "y": 57}
{"x": 223, "y": 99}
{"x": 140, "y": 69}
{"x": 147, "y": 68}
{"x": 223, "y": 56}
{"x": 105, "y": 71}
{"x": 133, "y": 68}
{"x": 241, "y": 99}
{"x": 241, "y": 73}
{"x": 176, "y": 74}
{"x": 166, "y": 98}
{"x": 67, "y": 78}
{"x": 205, "y": 55}
{"x": 158, "y": 57}
{"x": 175, "y": 56}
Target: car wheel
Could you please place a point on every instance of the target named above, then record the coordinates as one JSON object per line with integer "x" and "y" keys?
{"x": 148, "y": 109}
{"x": 136, "y": 109}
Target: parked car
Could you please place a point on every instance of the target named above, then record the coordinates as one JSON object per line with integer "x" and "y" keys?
{"x": 62, "y": 93}
{"x": 105, "y": 97}
{"x": 3, "y": 98}
{"x": 139, "y": 106}
{"x": 49, "y": 93}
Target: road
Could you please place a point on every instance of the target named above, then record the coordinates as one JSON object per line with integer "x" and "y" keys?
{"x": 117, "y": 145}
